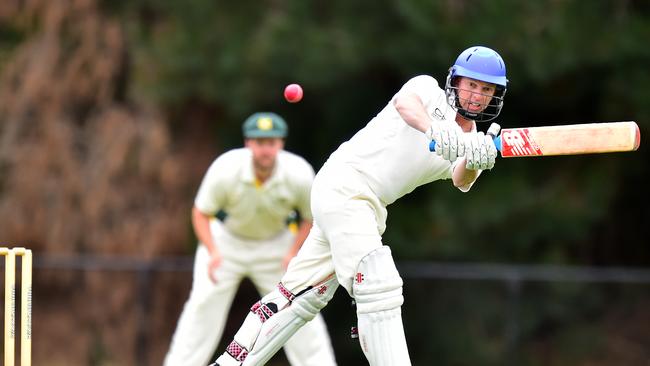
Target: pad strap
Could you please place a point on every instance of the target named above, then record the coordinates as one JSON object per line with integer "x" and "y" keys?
{"x": 273, "y": 320}
{"x": 236, "y": 351}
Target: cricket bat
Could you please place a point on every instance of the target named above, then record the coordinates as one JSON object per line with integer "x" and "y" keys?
{"x": 590, "y": 138}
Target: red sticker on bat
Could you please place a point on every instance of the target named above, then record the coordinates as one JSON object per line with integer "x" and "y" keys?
{"x": 517, "y": 142}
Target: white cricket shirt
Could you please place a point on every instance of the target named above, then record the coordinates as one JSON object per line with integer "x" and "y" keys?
{"x": 393, "y": 156}
{"x": 256, "y": 211}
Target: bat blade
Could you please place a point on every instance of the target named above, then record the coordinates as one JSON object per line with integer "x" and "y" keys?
{"x": 590, "y": 138}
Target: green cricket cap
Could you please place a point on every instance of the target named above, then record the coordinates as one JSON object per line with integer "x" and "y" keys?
{"x": 264, "y": 124}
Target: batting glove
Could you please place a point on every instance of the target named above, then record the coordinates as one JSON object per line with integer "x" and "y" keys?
{"x": 450, "y": 142}
{"x": 480, "y": 152}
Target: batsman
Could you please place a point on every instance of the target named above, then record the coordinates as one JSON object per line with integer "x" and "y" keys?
{"x": 385, "y": 160}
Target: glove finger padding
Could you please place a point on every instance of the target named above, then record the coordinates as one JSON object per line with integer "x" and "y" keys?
{"x": 481, "y": 152}
{"x": 453, "y": 144}
{"x": 472, "y": 151}
{"x": 461, "y": 143}
{"x": 484, "y": 154}
{"x": 449, "y": 140}
{"x": 442, "y": 144}
{"x": 491, "y": 151}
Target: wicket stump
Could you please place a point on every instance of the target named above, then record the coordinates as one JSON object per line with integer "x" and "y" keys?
{"x": 25, "y": 306}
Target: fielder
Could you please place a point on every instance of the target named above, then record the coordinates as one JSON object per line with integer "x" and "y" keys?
{"x": 382, "y": 162}
{"x": 256, "y": 188}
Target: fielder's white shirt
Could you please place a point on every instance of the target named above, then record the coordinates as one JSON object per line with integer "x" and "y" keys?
{"x": 392, "y": 155}
{"x": 256, "y": 211}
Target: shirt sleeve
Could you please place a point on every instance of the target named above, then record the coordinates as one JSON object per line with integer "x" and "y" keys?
{"x": 212, "y": 194}
{"x": 469, "y": 185}
{"x": 424, "y": 86}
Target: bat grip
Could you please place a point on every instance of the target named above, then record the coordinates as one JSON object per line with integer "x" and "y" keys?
{"x": 495, "y": 139}
{"x": 497, "y": 142}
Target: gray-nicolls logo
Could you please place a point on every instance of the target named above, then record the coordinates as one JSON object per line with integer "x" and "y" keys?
{"x": 437, "y": 113}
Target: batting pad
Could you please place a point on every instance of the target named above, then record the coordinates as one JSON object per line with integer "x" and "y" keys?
{"x": 377, "y": 290}
{"x": 280, "y": 327}
{"x": 268, "y": 326}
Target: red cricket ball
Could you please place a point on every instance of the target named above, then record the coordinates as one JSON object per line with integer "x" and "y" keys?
{"x": 293, "y": 93}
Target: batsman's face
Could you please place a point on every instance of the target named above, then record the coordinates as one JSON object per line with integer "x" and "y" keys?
{"x": 474, "y": 95}
{"x": 264, "y": 150}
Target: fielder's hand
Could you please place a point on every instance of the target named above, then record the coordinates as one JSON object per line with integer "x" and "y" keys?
{"x": 450, "y": 143}
{"x": 480, "y": 151}
{"x": 213, "y": 265}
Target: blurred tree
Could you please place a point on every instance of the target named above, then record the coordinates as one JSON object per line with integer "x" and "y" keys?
{"x": 84, "y": 169}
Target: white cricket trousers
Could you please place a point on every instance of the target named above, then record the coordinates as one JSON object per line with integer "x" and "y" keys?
{"x": 349, "y": 220}
{"x": 204, "y": 315}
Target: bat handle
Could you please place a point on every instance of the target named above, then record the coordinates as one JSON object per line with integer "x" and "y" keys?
{"x": 497, "y": 142}
{"x": 492, "y": 131}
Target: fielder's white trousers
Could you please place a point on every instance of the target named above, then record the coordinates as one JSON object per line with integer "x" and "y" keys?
{"x": 204, "y": 315}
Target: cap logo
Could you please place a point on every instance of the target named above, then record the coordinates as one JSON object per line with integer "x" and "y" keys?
{"x": 265, "y": 123}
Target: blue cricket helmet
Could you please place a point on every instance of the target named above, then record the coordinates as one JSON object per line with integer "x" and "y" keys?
{"x": 484, "y": 64}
